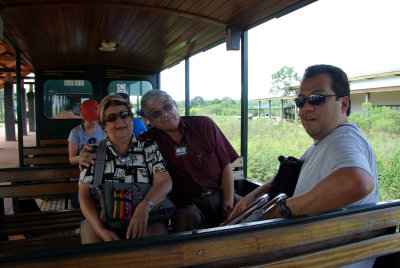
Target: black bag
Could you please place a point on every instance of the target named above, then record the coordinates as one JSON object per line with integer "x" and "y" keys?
{"x": 286, "y": 179}
{"x": 119, "y": 200}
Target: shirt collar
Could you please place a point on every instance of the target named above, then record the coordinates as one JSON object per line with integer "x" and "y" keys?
{"x": 115, "y": 154}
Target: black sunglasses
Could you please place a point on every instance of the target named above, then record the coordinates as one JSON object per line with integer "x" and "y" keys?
{"x": 167, "y": 106}
{"x": 113, "y": 117}
{"x": 312, "y": 100}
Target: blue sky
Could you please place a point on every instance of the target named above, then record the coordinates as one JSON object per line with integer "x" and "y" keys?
{"x": 360, "y": 36}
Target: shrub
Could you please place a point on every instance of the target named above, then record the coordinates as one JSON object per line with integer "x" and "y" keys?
{"x": 377, "y": 119}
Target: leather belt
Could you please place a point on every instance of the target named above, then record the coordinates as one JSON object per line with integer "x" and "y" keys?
{"x": 207, "y": 193}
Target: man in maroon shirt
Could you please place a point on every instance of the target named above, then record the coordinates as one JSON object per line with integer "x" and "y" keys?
{"x": 198, "y": 157}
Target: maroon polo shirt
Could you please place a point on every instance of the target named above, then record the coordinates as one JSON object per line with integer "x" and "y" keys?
{"x": 196, "y": 163}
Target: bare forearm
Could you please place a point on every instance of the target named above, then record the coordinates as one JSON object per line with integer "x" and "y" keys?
{"x": 89, "y": 208}
{"x": 263, "y": 189}
{"x": 162, "y": 185}
{"x": 340, "y": 189}
{"x": 227, "y": 185}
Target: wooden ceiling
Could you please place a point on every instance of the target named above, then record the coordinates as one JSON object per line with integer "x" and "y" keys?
{"x": 7, "y": 64}
{"x": 151, "y": 35}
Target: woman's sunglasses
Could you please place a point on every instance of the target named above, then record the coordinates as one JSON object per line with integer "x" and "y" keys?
{"x": 312, "y": 100}
{"x": 113, "y": 117}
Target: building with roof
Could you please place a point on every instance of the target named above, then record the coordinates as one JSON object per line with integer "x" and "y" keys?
{"x": 381, "y": 89}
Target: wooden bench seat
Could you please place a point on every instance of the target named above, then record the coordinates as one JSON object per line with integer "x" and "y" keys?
{"x": 37, "y": 155}
{"x": 39, "y": 229}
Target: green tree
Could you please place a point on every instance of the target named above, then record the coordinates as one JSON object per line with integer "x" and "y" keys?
{"x": 197, "y": 101}
{"x": 282, "y": 80}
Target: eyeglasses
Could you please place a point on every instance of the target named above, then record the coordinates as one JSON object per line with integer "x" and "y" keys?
{"x": 113, "y": 117}
{"x": 312, "y": 100}
{"x": 167, "y": 106}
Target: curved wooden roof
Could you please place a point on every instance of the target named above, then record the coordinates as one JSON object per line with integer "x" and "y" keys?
{"x": 7, "y": 64}
{"x": 151, "y": 35}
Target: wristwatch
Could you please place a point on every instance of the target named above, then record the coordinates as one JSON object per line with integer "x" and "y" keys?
{"x": 151, "y": 204}
{"x": 228, "y": 209}
{"x": 284, "y": 210}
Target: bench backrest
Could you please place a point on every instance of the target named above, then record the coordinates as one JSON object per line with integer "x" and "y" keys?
{"x": 333, "y": 239}
{"x": 53, "y": 142}
{"x": 38, "y": 155}
{"x": 237, "y": 168}
{"x": 38, "y": 181}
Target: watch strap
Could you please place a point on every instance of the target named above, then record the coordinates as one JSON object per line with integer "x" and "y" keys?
{"x": 284, "y": 210}
{"x": 151, "y": 204}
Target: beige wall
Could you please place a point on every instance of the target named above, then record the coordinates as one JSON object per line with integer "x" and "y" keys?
{"x": 381, "y": 98}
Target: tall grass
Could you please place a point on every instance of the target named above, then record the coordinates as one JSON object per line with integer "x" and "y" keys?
{"x": 268, "y": 139}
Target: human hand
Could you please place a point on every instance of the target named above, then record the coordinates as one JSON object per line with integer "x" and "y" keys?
{"x": 241, "y": 205}
{"x": 138, "y": 224}
{"x": 86, "y": 157}
{"x": 108, "y": 235}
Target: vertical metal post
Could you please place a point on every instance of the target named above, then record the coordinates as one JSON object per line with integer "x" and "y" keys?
{"x": 269, "y": 109}
{"x": 187, "y": 87}
{"x": 158, "y": 81}
{"x": 23, "y": 109}
{"x": 18, "y": 81}
{"x": 368, "y": 97}
{"x": 9, "y": 115}
{"x": 31, "y": 108}
{"x": 244, "y": 100}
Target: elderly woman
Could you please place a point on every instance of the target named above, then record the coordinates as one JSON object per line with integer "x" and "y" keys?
{"x": 128, "y": 160}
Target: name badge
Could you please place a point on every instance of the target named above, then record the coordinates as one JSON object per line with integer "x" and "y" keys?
{"x": 126, "y": 160}
{"x": 181, "y": 151}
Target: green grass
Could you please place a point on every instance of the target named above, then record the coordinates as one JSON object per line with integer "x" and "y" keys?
{"x": 269, "y": 139}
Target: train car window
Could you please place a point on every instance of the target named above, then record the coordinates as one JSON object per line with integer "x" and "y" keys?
{"x": 135, "y": 89}
{"x": 63, "y": 98}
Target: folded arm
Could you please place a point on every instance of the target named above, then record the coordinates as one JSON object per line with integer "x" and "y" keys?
{"x": 339, "y": 189}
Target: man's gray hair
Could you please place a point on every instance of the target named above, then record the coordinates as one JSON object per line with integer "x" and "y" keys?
{"x": 150, "y": 97}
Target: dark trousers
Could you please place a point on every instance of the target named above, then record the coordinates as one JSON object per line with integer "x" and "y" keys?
{"x": 197, "y": 212}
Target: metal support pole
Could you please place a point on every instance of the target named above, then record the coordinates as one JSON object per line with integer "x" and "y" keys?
{"x": 244, "y": 100}
{"x": 31, "y": 108}
{"x": 187, "y": 87}
{"x": 18, "y": 81}
{"x": 9, "y": 116}
{"x": 368, "y": 97}
{"x": 269, "y": 109}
